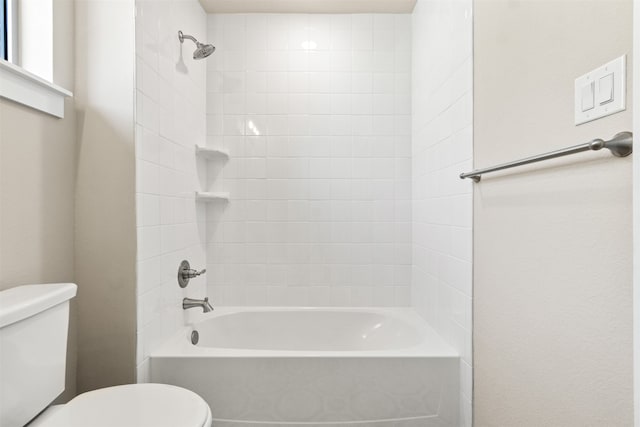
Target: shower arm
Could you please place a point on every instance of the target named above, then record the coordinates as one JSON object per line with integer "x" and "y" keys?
{"x": 182, "y": 36}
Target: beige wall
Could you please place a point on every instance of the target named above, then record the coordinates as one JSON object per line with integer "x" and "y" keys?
{"x": 552, "y": 251}
{"x": 636, "y": 214}
{"x": 105, "y": 198}
{"x": 37, "y": 184}
{"x": 67, "y": 205}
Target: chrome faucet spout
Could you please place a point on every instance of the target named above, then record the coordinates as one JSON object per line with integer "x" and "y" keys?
{"x": 188, "y": 303}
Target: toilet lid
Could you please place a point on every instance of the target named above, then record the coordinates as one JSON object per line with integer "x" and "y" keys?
{"x": 134, "y": 405}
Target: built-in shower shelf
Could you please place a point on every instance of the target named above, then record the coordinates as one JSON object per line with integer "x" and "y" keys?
{"x": 212, "y": 197}
{"x": 211, "y": 153}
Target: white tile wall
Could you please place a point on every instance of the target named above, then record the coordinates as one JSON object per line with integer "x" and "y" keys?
{"x": 331, "y": 201}
{"x": 170, "y": 120}
{"x": 316, "y": 113}
{"x": 441, "y": 149}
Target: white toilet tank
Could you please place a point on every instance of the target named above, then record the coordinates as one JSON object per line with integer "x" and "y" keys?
{"x": 34, "y": 321}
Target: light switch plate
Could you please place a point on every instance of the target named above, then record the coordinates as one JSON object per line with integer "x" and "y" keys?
{"x": 617, "y": 68}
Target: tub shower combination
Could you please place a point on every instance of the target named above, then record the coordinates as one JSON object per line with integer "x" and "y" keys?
{"x": 310, "y": 366}
{"x": 314, "y": 366}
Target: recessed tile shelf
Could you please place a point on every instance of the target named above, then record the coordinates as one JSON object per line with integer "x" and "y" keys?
{"x": 212, "y": 197}
{"x": 211, "y": 153}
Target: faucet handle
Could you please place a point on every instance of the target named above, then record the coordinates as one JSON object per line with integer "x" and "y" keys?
{"x": 185, "y": 273}
{"x": 191, "y": 273}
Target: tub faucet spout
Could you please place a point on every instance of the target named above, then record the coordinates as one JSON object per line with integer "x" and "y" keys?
{"x": 191, "y": 303}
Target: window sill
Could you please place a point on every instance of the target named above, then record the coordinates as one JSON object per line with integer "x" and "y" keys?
{"x": 28, "y": 89}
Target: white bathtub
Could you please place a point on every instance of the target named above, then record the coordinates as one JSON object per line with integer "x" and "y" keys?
{"x": 315, "y": 367}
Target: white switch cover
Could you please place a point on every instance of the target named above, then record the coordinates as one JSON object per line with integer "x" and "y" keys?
{"x": 609, "y": 87}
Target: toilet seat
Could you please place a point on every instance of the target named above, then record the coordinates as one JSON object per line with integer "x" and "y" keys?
{"x": 133, "y": 405}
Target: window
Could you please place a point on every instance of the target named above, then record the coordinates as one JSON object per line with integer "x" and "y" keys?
{"x": 26, "y": 65}
{"x": 9, "y": 30}
{"x": 3, "y": 31}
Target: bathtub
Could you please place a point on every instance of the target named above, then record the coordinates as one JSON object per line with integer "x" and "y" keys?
{"x": 306, "y": 367}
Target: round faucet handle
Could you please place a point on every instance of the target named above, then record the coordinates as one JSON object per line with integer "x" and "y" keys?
{"x": 185, "y": 272}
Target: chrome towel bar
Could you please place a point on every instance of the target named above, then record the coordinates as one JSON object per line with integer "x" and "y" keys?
{"x": 620, "y": 145}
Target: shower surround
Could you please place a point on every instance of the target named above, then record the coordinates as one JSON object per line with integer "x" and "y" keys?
{"x": 315, "y": 111}
{"x": 170, "y": 120}
{"x": 442, "y": 204}
{"x": 344, "y": 141}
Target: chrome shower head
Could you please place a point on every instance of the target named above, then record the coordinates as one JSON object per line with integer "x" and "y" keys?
{"x": 202, "y": 50}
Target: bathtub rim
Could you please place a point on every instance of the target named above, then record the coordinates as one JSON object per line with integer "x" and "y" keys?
{"x": 432, "y": 346}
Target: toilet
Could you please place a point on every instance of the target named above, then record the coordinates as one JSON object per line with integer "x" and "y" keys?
{"x": 34, "y": 322}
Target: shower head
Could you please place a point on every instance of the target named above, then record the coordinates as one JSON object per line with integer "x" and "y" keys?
{"x": 202, "y": 50}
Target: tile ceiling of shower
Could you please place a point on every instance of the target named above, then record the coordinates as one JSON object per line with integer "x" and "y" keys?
{"x": 308, "y": 6}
